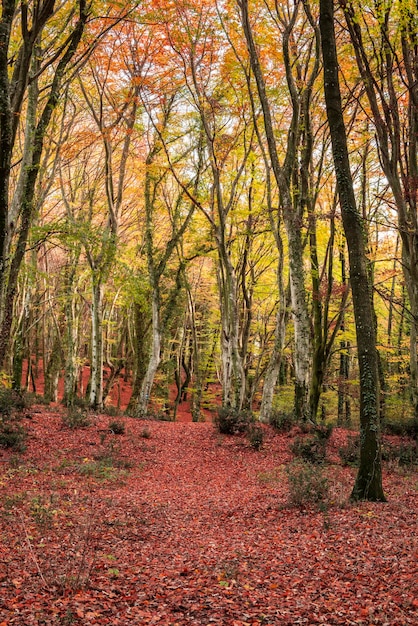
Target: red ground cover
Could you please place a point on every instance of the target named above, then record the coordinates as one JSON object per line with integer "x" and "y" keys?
{"x": 198, "y": 530}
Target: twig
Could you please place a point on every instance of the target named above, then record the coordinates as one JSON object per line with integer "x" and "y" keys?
{"x": 31, "y": 551}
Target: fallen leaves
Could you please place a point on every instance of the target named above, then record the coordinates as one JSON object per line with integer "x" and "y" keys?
{"x": 198, "y": 531}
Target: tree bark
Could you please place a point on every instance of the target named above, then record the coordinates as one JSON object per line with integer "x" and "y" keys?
{"x": 368, "y": 485}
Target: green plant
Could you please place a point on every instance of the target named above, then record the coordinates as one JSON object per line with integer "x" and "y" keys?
{"x": 43, "y": 511}
{"x": 350, "y": 452}
{"x": 403, "y": 428}
{"x": 231, "y": 421}
{"x": 107, "y": 464}
{"x": 76, "y": 417}
{"x": 255, "y": 436}
{"x": 404, "y": 454}
{"x": 310, "y": 449}
{"x": 117, "y": 427}
{"x": 11, "y": 401}
{"x": 307, "y": 484}
{"x": 111, "y": 410}
{"x": 12, "y": 434}
{"x": 282, "y": 421}
{"x": 323, "y": 431}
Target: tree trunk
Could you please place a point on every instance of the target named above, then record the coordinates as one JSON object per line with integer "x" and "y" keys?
{"x": 368, "y": 485}
{"x": 141, "y": 325}
{"x": 52, "y": 371}
{"x": 71, "y": 348}
{"x": 96, "y": 373}
{"x": 293, "y": 224}
{"x": 154, "y": 360}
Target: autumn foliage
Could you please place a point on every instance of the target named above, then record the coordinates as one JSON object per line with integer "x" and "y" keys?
{"x": 173, "y": 523}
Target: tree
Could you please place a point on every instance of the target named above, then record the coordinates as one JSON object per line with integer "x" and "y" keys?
{"x": 11, "y": 101}
{"x": 386, "y": 52}
{"x": 368, "y": 485}
{"x": 284, "y": 173}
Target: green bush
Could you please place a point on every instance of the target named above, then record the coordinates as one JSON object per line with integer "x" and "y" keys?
{"x": 76, "y": 417}
{"x": 146, "y": 433}
{"x": 12, "y": 434}
{"x": 231, "y": 421}
{"x": 307, "y": 484}
{"x": 323, "y": 431}
{"x": 111, "y": 411}
{"x": 117, "y": 427}
{"x": 282, "y": 421}
{"x": 350, "y": 452}
{"x": 11, "y": 401}
{"x": 255, "y": 436}
{"x": 310, "y": 449}
{"x": 405, "y": 428}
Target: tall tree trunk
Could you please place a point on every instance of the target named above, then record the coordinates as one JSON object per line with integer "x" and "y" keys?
{"x": 52, "y": 370}
{"x": 141, "y": 325}
{"x": 155, "y": 357}
{"x": 344, "y": 402}
{"x": 71, "y": 340}
{"x": 96, "y": 373}
{"x": 368, "y": 485}
{"x": 233, "y": 376}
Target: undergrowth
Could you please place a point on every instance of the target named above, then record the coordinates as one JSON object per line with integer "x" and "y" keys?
{"x": 307, "y": 483}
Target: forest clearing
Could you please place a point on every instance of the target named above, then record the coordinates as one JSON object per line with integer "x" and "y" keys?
{"x": 174, "y": 524}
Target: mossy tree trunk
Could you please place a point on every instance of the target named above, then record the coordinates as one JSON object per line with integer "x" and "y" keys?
{"x": 368, "y": 485}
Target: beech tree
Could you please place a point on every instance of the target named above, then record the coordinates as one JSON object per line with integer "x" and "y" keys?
{"x": 284, "y": 176}
{"x": 30, "y": 21}
{"x": 385, "y": 49}
{"x": 368, "y": 485}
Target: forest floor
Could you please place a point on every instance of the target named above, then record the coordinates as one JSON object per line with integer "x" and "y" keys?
{"x": 174, "y": 524}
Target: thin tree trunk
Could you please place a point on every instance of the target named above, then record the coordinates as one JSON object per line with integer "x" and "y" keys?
{"x": 71, "y": 341}
{"x": 155, "y": 358}
{"x": 96, "y": 373}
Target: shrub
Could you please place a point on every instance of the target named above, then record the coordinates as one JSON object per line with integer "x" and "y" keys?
{"x": 76, "y": 417}
{"x": 307, "y": 484}
{"x": 117, "y": 427}
{"x": 405, "y": 428}
{"x": 324, "y": 431}
{"x": 404, "y": 454}
{"x": 310, "y": 449}
{"x": 146, "y": 433}
{"x": 408, "y": 454}
{"x": 282, "y": 421}
{"x": 231, "y": 421}
{"x": 111, "y": 411}
{"x": 12, "y": 434}
{"x": 350, "y": 453}
{"x": 11, "y": 401}
{"x": 255, "y": 436}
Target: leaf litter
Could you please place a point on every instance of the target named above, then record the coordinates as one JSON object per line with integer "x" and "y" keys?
{"x": 188, "y": 527}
